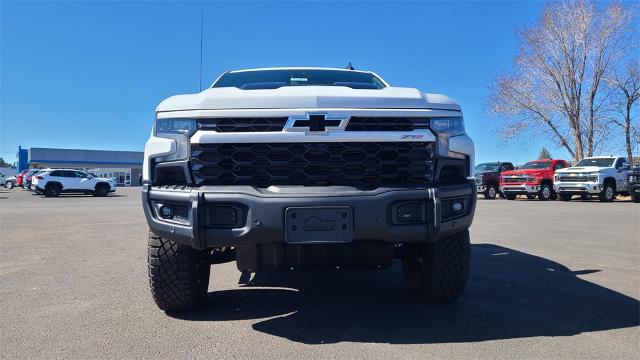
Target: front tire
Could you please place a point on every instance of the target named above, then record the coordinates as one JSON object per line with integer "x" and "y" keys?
{"x": 635, "y": 198}
{"x": 178, "y": 274}
{"x": 490, "y": 192}
{"x": 531, "y": 197}
{"x": 510, "y": 196}
{"x": 101, "y": 190}
{"x": 439, "y": 271}
{"x": 608, "y": 193}
{"x": 545, "y": 192}
{"x": 9, "y": 184}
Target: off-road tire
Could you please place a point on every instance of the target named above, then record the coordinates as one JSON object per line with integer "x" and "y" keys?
{"x": 510, "y": 197}
{"x": 439, "y": 271}
{"x": 490, "y": 192}
{"x": 565, "y": 197}
{"x": 635, "y": 198}
{"x": 178, "y": 274}
{"x": 52, "y": 190}
{"x": 545, "y": 192}
{"x": 608, "y": 192}
{"x": 101, "y": 190}
{"x": 9, "y": 184}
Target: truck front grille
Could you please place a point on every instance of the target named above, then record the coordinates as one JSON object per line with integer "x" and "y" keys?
{"x": 362, "y": 165}
{"x": 576, "y": 178}
{"x": 514, "y": 180}
{"x": 262, "y": 124}
{"x": 357, "y": 123}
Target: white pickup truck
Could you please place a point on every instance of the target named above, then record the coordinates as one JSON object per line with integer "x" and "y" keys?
{"x": 293, "y": 168}
{"x": 605, "y": 176}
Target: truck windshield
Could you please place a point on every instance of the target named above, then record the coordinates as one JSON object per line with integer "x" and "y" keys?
{"x": 599, "y": 162}
{"x": 273, "y": 79}
{"x": 487, "y": 167}
{"x": 536, "y": 165}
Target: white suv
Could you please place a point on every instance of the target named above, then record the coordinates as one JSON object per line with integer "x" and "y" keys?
{"x": 604, "y": 176}
{"x": 53, "y": 182}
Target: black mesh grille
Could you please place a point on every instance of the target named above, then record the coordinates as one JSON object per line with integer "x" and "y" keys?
{"x": 363, "y": 165}
{"x": 386, "y": 123}
{"x": 242, "y": 124}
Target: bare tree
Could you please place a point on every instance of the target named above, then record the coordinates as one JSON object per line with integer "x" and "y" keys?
{"x": 627, "y": 82}
{"x": 556, "y": 88}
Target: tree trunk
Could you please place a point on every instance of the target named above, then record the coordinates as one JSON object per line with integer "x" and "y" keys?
{"x": 627, "y": 132}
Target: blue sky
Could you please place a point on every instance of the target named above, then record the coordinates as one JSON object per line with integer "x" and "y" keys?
{"x": 89, "y": 75}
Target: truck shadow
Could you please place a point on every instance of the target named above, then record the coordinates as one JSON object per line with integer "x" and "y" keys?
{"x": 510, "y": 294}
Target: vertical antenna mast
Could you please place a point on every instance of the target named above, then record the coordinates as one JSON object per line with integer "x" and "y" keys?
{"x": 201, "y": 35}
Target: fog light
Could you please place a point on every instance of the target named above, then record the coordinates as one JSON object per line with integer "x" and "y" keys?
{"x": 457, "y": 206}
{"x": 166, "y": 211}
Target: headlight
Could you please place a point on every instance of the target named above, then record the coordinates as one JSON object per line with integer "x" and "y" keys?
{"x": 172, "y": 127}
{"x": 180, "y": 130}
{"x": 450, "y": 126}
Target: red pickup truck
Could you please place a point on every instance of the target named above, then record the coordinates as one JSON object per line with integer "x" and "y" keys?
{"x": 20, "y": 177}
{"x": 533, "y": 179}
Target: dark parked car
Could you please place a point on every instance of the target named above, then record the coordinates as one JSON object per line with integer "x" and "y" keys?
{"x": 487, "y": 175}
{"x": 634, "y": 184}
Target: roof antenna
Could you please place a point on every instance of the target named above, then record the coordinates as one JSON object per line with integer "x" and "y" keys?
{"x": 201, "y": 35}
{"x": 349, "y": 67}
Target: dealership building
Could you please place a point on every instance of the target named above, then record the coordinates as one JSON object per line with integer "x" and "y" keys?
{"x": 123, "y": 166}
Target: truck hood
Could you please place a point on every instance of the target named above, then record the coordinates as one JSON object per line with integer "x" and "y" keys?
{"x": 527, "y": 172}
{"x": 581, "y": 169}
{"x": 292, "y": 97}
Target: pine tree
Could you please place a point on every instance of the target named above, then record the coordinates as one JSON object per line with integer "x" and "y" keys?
{"x": 544, "y": 154}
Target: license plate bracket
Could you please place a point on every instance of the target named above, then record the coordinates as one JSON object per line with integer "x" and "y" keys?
{"x": 309, "y": 225}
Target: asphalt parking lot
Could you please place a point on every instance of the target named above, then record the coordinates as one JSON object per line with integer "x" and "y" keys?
{"x": 548, "y": 280}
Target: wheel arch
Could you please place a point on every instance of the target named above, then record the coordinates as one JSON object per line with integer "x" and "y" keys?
{"x": 49, "y": 183}
{"x": 610, "y": 180}
{"x": 99, "y": 183}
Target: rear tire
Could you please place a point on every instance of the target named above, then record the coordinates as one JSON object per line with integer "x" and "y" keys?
{"x": 178, "y": 274}
{"x": 9, "y": 184}
{"x": 510, "y": 197}
{"x": 545, "y": 192}
{"x": 608, "y": 193}
{"x": 52, "y": 190}
{"x": 565, "y": 197}
{"x": 439, "y": 272}
{"x": 490, "y": 192}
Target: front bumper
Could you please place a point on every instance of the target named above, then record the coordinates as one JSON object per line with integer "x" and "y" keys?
{"x": 577, "y": 187}
{"x": 264, "y": 211}
{"x": 634, "y": 189}
{"x": 520, "y": 189}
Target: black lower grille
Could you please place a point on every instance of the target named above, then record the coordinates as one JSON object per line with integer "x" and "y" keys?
{"x": 362, "y": 165}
